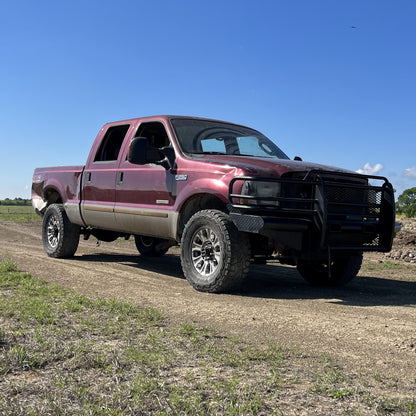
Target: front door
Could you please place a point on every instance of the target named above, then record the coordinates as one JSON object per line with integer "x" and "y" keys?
{"x": 145, "y": 193}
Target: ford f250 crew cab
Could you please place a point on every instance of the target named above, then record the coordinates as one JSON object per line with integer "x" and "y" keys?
{"x": 225, "y": 192}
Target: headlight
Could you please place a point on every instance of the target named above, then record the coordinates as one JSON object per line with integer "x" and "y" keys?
{"x": 262, "y": 192}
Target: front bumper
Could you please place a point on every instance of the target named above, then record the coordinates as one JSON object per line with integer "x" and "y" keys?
{"x": 319, "y": 212}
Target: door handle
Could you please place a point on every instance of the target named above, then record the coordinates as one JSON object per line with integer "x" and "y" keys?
{"x": 120, "y": 177}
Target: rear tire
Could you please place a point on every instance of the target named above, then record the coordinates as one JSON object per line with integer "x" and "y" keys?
{"x": 343, "y": 270}
{"x": 215, "y": 256}
{"x": 151, "y": 246}
{"x": 59, "y": 236}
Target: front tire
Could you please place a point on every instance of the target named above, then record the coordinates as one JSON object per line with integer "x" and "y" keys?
{"x": 215, "y": 256}
{"x": 59, "y": 236}
{"x": 342, "y": 270}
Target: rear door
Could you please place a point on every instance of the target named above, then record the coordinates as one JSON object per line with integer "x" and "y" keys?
{"x": 99, "y": 181}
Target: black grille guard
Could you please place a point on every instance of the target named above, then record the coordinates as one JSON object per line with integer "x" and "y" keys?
{"x": 344, "y": 211}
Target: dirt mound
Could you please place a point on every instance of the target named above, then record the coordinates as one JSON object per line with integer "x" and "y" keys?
{"x": 404, "y": 245}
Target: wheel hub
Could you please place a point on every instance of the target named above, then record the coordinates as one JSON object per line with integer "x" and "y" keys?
{"x": 53, "y": 232}
{"x": 206, "y": 252}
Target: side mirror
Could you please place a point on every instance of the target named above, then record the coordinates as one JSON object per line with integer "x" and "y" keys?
{"x": 299, "y": 159}
{"x": 140, "y": 153}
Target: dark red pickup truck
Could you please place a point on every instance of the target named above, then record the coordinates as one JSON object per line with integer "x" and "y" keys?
{"x": 225, "y": 192}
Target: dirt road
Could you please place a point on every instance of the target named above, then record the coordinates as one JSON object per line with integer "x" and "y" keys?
{"x": 368, "y": 326}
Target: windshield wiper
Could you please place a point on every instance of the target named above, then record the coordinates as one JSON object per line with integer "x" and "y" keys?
{"x": 209, "y": 153}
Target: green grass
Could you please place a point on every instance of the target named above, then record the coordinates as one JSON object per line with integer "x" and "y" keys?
{"x": 16, "y": 209}
{"x": 18, "y": 213}
{"x": 385, "y": 265}
{"x": 62, "y": 353}
{"x": 408, "y": 270}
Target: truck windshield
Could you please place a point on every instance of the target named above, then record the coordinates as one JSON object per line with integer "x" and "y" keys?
{"x": 215, "y": 137}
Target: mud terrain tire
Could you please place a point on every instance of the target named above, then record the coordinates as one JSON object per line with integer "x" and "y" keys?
{"x": 59, "y": 236}
{"x": 343, "y": 270}
{"x": 215, "y": 256}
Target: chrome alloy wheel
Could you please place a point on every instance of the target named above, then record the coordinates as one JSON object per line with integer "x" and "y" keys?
{"x": 206, "y": 251}
{"x": 52, "y": 233}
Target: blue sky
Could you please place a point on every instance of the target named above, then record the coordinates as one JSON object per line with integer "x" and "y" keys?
{"x": 332, "y": 81}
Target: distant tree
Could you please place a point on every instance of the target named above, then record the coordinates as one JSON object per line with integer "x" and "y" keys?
{"x": 406, "y": 203}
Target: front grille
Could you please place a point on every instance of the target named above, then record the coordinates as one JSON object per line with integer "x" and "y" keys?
{"x": 354, "y": 214}
{"x": 360, "y": 201}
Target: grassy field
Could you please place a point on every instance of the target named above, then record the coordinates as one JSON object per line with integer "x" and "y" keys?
{"x": 62, "y": 353}
{"x": 18, "y": 213}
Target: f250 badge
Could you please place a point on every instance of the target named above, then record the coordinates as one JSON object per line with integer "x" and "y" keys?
{"x": 181, "y": 177}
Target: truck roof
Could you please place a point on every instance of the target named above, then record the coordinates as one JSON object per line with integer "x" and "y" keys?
{"x": 167, "y": 118}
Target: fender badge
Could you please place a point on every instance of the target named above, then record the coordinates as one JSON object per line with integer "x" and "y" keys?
{"x": 181, "y": 177}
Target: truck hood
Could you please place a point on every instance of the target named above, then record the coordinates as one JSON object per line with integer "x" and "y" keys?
{"x": 258, "y": 166}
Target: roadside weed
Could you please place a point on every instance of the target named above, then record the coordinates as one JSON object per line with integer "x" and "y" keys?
{"x": 331, "y": 381}
{"x": 7, "y": 266}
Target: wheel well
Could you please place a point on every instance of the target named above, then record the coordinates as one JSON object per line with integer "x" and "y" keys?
{"x": 52, "y": 197}
{"x": 197, "y": 203}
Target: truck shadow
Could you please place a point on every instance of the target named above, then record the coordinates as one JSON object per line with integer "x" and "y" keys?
{"x": 169, "y": 264}
{"x": 281, "y": 282}
{"x": 275, "y": 281}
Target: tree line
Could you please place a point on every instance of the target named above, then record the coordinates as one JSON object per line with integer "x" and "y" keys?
{"x": 15, "y": 202}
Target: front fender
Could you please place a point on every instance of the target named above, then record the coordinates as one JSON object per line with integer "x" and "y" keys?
{"x": 215, "y": 187}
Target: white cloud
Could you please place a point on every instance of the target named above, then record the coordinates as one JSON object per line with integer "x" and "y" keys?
{"x": 370, "y": 170}
{"x": 410, "y": 173}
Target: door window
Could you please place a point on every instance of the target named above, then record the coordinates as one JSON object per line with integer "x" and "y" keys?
{"x": 111, "y": 144}
{"x": 155, "y": 133}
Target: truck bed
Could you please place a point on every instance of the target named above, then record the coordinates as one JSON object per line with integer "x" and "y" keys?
{"x": 65, "y": 179}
